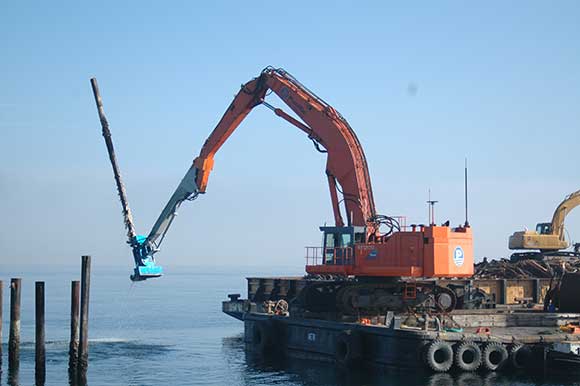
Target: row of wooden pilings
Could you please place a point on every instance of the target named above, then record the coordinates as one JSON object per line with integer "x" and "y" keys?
{"x": 79, "y": 328}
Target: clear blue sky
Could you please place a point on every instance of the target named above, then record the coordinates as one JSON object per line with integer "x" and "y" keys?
{"x": 498, "y": 82}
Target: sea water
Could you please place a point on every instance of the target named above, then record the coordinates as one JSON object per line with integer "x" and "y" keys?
{"x": 171, "y": 331}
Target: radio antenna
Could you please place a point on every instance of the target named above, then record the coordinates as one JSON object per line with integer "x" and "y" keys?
{"x": 431, "y": 204}
{"x": 466, "y": 213}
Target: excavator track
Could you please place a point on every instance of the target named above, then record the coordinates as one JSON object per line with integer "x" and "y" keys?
{"x": 359, "y": 299}
{"x": 355, "y": 298}
{"x": 321, "y": 296}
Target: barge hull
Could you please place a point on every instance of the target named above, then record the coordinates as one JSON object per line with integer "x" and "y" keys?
{"x": 393, "y": 345}
{"x": 316, "y": 339}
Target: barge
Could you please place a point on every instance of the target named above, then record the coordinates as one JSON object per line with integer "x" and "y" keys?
{"x": 513, "y": 334}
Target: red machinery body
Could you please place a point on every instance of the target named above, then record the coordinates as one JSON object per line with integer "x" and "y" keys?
{"x": 433, "y": 251}
{"x": 356, "y": 248}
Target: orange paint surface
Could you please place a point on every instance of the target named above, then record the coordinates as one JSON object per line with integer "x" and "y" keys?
{"x": 432, "y": 252}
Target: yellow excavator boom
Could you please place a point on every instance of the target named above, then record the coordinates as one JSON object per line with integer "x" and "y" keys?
{"x": 570, "y": 202}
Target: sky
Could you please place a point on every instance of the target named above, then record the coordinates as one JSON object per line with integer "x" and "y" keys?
{"x": 423, "y": 84}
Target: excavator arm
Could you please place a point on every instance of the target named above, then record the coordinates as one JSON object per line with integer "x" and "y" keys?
{"x": 346, "y": 163}
{"x": 346, "y": 166}
{"x": 570, "y": 202}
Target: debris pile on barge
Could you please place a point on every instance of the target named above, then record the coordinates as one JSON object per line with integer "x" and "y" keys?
{"x": 525, "y": 269}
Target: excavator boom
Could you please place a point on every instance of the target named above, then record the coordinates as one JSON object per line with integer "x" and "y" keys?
{"x": 570, "y": 202}
{"x": 346, "y": 163}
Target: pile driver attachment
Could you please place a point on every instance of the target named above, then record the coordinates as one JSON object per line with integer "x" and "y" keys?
{"x": 143, "y": 250}
{"x": 145, "y": 267}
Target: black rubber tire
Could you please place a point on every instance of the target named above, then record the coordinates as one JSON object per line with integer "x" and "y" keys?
{"x": 468, "y": 356}
{"x": 263, "y": 336}
{"x": 348, "y": 348}
{"x": 495, "y": 356}
{"x": 451, "y": 297}
{"x": 520, "y": 356}
{"x": 439, "y": 356}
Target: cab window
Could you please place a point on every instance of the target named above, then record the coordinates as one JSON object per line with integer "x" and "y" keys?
{"x": 346, "y": 240}
{"x": 329, "y": 240}
{"x": 543, "y": 228}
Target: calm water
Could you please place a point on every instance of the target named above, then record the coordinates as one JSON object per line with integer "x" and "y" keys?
{"x": 171, "y": 332}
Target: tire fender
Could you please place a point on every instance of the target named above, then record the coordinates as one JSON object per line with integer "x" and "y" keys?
{"x": 495, "y": 356}
{"x": 438, "y": 356}
{"x": 348, "y": 348}
{"x": 468, "y": 356}
{"x": 263, "y": 335}
{"x": 520, "y": 356}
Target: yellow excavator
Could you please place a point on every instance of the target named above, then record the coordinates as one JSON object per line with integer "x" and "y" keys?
{"x": 548, "y": 238}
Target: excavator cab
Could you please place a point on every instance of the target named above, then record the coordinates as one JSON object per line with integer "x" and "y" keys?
{"x": 338, "y": 243}
{"x": 544, "y": 228}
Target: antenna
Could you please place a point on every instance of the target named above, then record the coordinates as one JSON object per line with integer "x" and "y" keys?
{"x": 431, "y": 204}
{"x": 466, "y": 213}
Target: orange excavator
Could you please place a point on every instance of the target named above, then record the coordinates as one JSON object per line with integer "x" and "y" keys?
{"x": 369, "y": 263}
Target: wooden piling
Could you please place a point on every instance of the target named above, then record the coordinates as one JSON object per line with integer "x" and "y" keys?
{"x": 73, "y": 348}
{"x": 12, "y": 379}
{"x": 40, "y": 350}
{"x": 83, "y": 359}
{"x": 1, "y": 297}
{"x": 14, "y": 339}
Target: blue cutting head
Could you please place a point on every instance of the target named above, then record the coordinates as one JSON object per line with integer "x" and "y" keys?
{"x": 147, "y": 271}
{"x": 145, "y": 267}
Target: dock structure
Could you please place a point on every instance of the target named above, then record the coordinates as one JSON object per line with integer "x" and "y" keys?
{"x": 14, "y": 338}
{"x": 1, "y": 306}
{"x": 83, "y": 358}
{"x": 73, "y": 349}
{"x": 79, "y": 328}
{"x": 40, "y": 350}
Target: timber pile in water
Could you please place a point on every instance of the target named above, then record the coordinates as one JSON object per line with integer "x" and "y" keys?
{"x": 524, "y": 269}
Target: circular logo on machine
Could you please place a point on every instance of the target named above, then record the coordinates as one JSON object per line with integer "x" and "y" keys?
{"x": 458, "y": 256}
{"x": 372, "y": 254}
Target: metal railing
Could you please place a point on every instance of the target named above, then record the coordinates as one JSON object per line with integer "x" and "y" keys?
{"x": 402, "y": 222}
{"x": 329, "y": 256}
